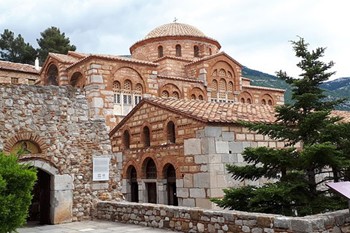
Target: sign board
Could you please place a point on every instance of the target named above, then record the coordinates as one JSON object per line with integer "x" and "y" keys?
{"x": 341, "y": 187}
{"x": 100, "y": 170}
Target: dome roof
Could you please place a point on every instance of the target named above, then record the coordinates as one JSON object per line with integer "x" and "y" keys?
{"x": 175, "y": 29}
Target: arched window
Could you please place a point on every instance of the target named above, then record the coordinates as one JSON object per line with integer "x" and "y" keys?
{"x": 230, "y": 86}
{"x": 146, "y": 137}
{"x": 116, "y": 85}
{"x": 200, "y": 97}
{"x": 165, "y": 94}
{"x": 196, "y": 51}
{"x": 214, "y": 85}
{"x": 193, "y": 97}
{"x": 77, "y": 80}
{"x": 52, "y": 75}
{"x": 170, "y": 175}
{"x": 126, "y": 139}
{"x": 171, "y": 132}
{"x": 151, "y": 169}
{"x": 134, "y": 189}
{"x": 242, "y": 100}
{"x": 222, "y": 85}
{"x": 210, "y": 51}
{"x": 178, "y": 50}
{"x": 160, "y": 51}
{"x": 269, "y": 102}
{"x": 249, "y": 101}
{"x": 263, "y": 101}
{"x": 176, "y": 95}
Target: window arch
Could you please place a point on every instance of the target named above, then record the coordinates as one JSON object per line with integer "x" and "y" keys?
{"x": 146, "y": 137}
{"x": 200, "y": 97}
{"x": 77, "y": 80}
{"x": 165, "y": 94}
{"x": 214, "y": 84}
{"x": 151, "y": 169}
{"x": 222, "y": 85}
{"x": 263, "y": 101}
{"x": 210, "y": 52}
{"x": 176, "y": 95}
{"x": 171, "y": 135}
{"x": 116, "y": 85}
{"x": 160, "y": 51}
{"x": 196, "y": 51}
{"x": 230, "y": 86}
{"x": 52, "y": 75}
{"x": 178, "y": 50}
{"x": 242, "y": 100}
{"x": 126, "y": 139}
{"x": 193, "y": 97}
{"x": 249, "y": 101}
{"x": 269, "y": 102}
{"x": 127, "y": 85}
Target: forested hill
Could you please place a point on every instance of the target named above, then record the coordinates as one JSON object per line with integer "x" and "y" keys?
{"x": 338, "y": 88}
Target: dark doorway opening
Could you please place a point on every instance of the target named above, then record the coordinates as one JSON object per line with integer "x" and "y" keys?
{"x": 134, "y": 186}
{"x": 152, "y": 192}
{"x": 171, "y": 185}
{"x": 39, "y": 210}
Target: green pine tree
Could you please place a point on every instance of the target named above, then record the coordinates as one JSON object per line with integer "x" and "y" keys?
{"x": 316, "y": 151}
{"x": 14, "y": 49}
{"x": 52, "y": 40}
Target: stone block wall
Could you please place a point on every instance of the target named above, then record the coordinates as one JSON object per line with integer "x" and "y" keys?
{"x": 185, "y": 219}
{"x": 56, "y": 120}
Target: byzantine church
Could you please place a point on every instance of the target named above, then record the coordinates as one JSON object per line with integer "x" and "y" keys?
{"x": 167, "y": 116}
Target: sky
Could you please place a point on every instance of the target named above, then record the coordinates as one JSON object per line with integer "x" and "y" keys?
{"x": 256, "y": 33}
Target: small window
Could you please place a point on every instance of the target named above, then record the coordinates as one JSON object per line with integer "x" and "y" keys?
{"x": 269, "y": 102}
{"x": 193, "y": 97}
{"x": 126, "y": 139}
{"x": 14, "y": 80}
{"x": 178, "y": 50}
{"x": 210, "y": 51}
{"x": 249, "y": 101}
{"x": 160, "y": 51}
{"x": 117, "y": 98}
{"x": 263, "y": 101}
{"x": 242, "y": 100}
{"x": 200, "y": 97}
{"x": 165, "y": 94}
{"x": 146, "y": 137}
{"x": 171, "y": 132}
{"x": 127, "y": 99}
{"x": 137, "y": 99}
{"x": 196, "y": 51}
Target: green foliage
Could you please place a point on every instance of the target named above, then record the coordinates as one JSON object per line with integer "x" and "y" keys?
{"x": 52, "y": 40}
{"x": 317, "y": 149}
{"x": 16, "y": 184}
{"x": 14, "y": 49}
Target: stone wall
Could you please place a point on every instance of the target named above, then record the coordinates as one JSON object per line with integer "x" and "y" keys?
{"x": 56, "y": 121}
{"x": 198, "y": 220}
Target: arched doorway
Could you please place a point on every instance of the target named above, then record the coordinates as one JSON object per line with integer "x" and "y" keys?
{"x": 151, "y": 182}
{"x": 39, "y": 210}
{"x": 170, "y": 175}
{"x": 134, "y": 186}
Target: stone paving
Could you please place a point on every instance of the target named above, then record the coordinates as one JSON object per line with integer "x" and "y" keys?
{"x": 90, "y": 226}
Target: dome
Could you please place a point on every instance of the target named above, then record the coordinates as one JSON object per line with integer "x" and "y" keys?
{"x": 175, "y": 29}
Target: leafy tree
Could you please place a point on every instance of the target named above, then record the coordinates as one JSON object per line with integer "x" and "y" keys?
{"x": 52, "y": 40}
{"x": 16, "y": 184}
{"x": 14, "y": 49}
{"x": 316, "y": 151}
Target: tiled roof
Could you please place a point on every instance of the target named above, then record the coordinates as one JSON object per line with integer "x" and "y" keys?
{"x": 343, "y": 114}
{"x": 25, "y": 68}
{"x": 211, "y": 112}
{"x": 175, "y": 29}
{"x": 115, "y": 58}
{"x": 212, "y": 56}
{"x": 264, "y": 88}
{"x": 64, "y": 58}
{"x": 180, "y": 78}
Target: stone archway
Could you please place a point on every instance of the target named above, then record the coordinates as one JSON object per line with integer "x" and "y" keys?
{"x": 54, "y": 190}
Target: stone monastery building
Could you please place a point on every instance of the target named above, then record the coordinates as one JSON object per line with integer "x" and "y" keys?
{"x": 172, "y": 111}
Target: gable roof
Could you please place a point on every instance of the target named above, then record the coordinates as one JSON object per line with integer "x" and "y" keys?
{"x": 18, "y": 67}
{"x": 208, "y": 112}
{"x": 213, "y": 56}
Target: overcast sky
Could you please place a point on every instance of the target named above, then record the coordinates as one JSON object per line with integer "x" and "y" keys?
{"x": 257, "y": 33}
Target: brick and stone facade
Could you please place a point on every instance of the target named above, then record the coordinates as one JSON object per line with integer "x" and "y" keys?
{"x": 61, "y": 141}
{"x": 206, "y": 137}
{"x": 16, "y": 73}
{"x": 174, "y": 60}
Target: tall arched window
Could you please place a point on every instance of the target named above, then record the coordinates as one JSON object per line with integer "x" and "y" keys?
{"x": 52, "y": 75}
{"x": 210, "y": 52}
{"x": 146, "y": 137}
{"x": 171, "y": 136}
{"x": 151, "y": 169}
{"x": 160, "y": 51}
{"x": 178, "y": 50}
{"x": 196, "y": 51}
{"x": 134, "y": 187}
{"x": 126, "y": 139}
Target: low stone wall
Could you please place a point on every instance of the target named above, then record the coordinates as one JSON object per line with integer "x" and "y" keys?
{"x": 186, "y": 219}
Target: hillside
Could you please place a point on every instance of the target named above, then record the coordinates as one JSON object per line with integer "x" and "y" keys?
{"x": 338, "y": 88}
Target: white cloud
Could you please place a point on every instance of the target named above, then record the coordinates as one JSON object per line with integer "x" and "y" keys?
{"x": 255, "y": 32}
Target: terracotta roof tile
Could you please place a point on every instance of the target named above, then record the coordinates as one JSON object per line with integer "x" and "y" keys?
{"x": 263, "y": 88}
{"x": 180, "y": 78}
{"x": 343, "y": 114}
{"x": 25, "y": 68}
{"x": 65, "y": 58}
{"x": 175, "y": 29}
{"x": 211, "y": 112}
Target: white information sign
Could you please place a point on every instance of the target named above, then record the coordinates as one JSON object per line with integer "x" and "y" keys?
{"x": 100, "y": 169}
